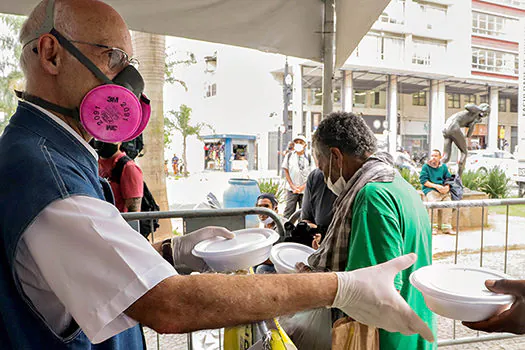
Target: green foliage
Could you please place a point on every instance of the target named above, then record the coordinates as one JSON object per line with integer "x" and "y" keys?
{"x": 496, "y": 183}
{"x": 493, "y": 182}
{"x": 172, "y": 61}
{"x": 11, "y": 76}
{"x": 411, "y": 178}
{"x": 181, "y": 121}
{"x": 273, "y": 187}
{"x": 473, "y": 179}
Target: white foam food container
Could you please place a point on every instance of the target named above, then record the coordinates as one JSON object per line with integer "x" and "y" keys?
{"x": 284, "y": 256}
{"x": 248, "y": 248}
{"x": 459, "y": 292}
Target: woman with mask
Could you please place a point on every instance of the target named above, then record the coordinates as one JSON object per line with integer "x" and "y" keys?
{"x": 377, "y": 214}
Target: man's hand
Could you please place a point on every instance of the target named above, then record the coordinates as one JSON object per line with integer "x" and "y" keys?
{"x": 511, "y": 320}
{"x": 368, "y": 295}
{"x": 317, "y": 241}
{"x": 183, "y": 245}
{"x": 442, "y": 189}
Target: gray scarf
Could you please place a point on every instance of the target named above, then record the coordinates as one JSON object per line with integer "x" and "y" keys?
{"x": 333, "y": 253}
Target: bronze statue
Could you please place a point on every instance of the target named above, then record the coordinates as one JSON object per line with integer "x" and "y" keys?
{"x": 452, "y": 131}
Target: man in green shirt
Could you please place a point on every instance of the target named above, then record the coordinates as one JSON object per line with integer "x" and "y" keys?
{"x": 377, "y": 215}
{"x": 432, "y": 178}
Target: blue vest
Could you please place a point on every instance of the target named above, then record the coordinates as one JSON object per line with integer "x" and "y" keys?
{"x": 41, "y": 162}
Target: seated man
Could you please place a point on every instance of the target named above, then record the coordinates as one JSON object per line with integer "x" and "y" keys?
{"x": 267, "y": 200}
{"x": 377, "y": 215}
{"x": 432, "y": 178}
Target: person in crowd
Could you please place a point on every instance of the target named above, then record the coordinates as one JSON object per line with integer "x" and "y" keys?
{"x": 318, "y": 204}
{"x": 432, "y": 177}
{"x": 267, "y": 200}
{"x": 377, "y": 215}
{"x": 175, "y": 164}
{"x": 166, "y": 171}
{"x": 296, "y": 166}
{"x": 123, "y": 174}
{"x": 67, "y": 279}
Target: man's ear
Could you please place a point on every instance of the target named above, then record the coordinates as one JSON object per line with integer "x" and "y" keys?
{"x": 337, "y": 156}
{"x": 49, "y": 53}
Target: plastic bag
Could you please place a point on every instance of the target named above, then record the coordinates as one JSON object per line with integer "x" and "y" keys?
{"x": 311, "y": 329}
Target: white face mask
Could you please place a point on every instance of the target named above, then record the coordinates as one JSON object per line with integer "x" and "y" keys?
{"x": 267, "y": 221}
{"x": 298, "y": 147}
{"x": 338, "y": 187}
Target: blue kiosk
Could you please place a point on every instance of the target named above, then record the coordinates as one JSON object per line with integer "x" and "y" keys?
{"x": 230, "y": 152}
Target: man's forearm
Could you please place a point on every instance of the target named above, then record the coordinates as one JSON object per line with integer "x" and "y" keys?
{"x": 182, "y": 304}
{"x": 288, "y": 178}
{"x": 431, "y": 185}
{"x": 133, "y": 204}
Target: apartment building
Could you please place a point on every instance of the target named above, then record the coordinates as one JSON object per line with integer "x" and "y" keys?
{"x": 421, "y": 62}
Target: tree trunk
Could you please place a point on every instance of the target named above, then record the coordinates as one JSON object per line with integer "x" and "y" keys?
{"x": 150, "y": 51}
{"x": 184, "y": 160}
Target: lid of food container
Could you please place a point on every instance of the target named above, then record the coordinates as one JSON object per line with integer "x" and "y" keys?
{"x": 285, "y": 255}
{"x": 245, "y": 241}
{"x": 458, "y": 283}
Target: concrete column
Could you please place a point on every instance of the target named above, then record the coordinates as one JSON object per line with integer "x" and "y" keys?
{"x": 297, "y": 119}
{"x": 392, "y": 113}
{"x": 492, "y": 132}
{"x": 348, "y": 91}
{"x": 437, "y": 108}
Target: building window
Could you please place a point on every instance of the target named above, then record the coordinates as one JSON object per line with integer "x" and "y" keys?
{"x": 484, "y": 98}
{"x": 381, "y": 47}
{"x": 419, "y": 98}
{"x": 513, "y": 104}
{"x": 359, "y": 98}
{"x": 453, "y": 101}
{"x": 210, "y": 89}
{"x": 495, "y": 61}
{"x": 485, "y": 24}
{"x": 426, "y": 51}
{"x": 377, "y": 98}
{"x": 469, "y": 99}
{"x": 337, "y": 95}
{"x": 502, "y": 104}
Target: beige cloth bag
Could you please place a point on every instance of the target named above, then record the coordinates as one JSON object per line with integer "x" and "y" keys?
{"x": 348, "y": 334}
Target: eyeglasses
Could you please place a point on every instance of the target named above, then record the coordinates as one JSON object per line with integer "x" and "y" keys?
{"x": 118, "y": 59}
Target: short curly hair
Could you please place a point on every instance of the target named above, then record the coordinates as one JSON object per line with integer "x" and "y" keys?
{"x": 347, "y": 132}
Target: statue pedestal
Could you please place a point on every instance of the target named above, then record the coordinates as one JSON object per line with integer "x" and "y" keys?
{"x": 469, "y": 218}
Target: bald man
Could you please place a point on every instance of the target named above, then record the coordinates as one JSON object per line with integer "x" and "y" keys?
{"x": 73, "y": 275}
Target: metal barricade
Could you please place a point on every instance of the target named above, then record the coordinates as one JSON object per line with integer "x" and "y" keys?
{"x": 225, "y": 217}
{"x": 468, "y": 336}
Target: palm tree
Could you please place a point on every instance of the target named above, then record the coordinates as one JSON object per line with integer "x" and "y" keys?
{"x": 150, "y": 49}
{"x": 182, "y": 123}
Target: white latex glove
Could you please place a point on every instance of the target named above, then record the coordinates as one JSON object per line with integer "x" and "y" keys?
{"x": 368, "y": 295}
{"x": 183, "y": 245}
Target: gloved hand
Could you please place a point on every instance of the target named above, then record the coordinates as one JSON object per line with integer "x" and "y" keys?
{"x": 368, "y": 295}
{"x": 183, "y": 245}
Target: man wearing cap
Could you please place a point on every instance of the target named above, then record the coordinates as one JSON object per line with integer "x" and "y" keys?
{"x": 73, "y": 273}
{"x": 297, "y": 165}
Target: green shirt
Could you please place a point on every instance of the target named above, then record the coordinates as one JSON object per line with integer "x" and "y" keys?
{"x": 434, "y": 175}
{"x": 389, "y": 220}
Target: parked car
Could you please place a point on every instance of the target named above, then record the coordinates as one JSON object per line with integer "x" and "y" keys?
{"x": 485, "y": 160}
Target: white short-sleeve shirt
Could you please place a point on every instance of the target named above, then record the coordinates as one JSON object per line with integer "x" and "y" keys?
{"x": 80, "y": 260}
